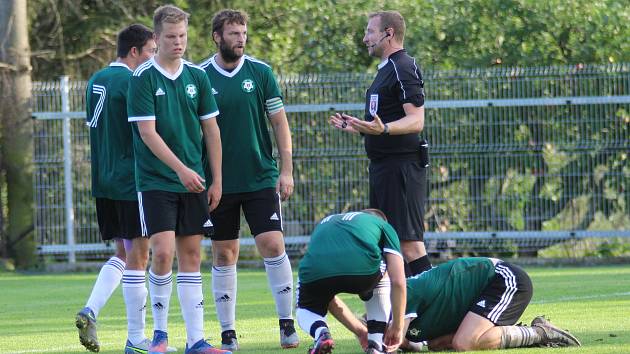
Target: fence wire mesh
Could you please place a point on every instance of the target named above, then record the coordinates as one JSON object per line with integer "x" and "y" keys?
{"x": 523, "y": 160}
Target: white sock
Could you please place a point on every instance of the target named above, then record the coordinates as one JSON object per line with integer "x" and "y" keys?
{"x": 306, "y": 319}
{"x": 160, "y": 289}
{"x": 135, "y": 294}
{"x": 107, "y": 281}
{"x": 190, "y": 293}
{"x": 378, "y": 308}
{"x": 224, "y": 291}
{"x": 280, "y": 280}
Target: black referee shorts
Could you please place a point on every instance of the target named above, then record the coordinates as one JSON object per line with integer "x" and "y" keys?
{"x": 399, "y": 188}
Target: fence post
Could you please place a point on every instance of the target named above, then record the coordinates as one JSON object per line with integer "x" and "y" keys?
{"x": 67, "y": 169}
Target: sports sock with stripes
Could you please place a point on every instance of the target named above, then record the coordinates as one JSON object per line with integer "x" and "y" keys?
{"x": 280, "y": 278}
{"x": 160, "y": 289}
{"x": 518, "y": 336}
{"x": 107, "y": 281}
{"x": 224, "y": 284}
{"x": 190, "y": 293}
{"x": 135, "y": 294}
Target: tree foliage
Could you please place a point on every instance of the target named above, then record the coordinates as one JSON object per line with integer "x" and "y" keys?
{"x": 76, "y": 37}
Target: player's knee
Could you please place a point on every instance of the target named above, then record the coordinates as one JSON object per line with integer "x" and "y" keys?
{"x": 162, "y": 256}
{"x": 462, "y": 344}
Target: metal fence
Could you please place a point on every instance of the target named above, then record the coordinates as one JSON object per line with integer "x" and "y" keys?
{"x": 523, "y": 161}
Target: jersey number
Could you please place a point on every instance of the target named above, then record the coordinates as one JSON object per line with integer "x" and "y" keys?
{"x": 102, "y": 93}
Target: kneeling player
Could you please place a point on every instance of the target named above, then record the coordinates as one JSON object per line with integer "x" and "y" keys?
{"x": 472, "y": 304}
{"x": 348, "y": 253}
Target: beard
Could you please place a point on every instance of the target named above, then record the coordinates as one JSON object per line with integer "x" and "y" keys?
{"x": 228, "y": 54}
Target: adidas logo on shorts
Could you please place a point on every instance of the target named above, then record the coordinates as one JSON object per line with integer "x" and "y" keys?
{"x": 274, "y": 217}
{"x": 482, "y": 303}
{"x": 208, "y": 223}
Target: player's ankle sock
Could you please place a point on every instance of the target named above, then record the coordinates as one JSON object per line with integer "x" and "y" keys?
{"x": 106, "y": 282}
{"x": 280, "y": 278}
{"x": 518, "y": 336}
{"x": 419, "y": 265}
{"x": 190, "y": 293}
{"x": 135, "y": 294}
{"x": 160, "y": 289}
{"x": 309, "y": 321}
{"x": 224, "y": 286}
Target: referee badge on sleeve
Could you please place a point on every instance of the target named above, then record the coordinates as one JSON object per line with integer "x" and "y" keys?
{"x": 373, "y": 104}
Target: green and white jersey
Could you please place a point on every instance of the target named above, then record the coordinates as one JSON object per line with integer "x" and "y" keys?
{"x": 348, "y": 244}
{"x": 111, "y": 141}
{"x": 440, "y": 297}
{"x": 177, "y": 103}
{"x": 246, "y": 96}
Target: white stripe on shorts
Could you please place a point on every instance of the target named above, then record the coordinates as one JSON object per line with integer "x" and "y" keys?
{"x": 143, "y": 224}
{"x": 506, "y": 298}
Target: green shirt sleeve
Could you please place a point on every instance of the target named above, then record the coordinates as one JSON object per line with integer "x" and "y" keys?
{"x": 207, "y": 104}
{"x": 140, "y": 105}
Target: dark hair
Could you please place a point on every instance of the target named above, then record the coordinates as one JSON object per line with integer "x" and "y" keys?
{"x": 375, "y": 212}
{"x": 228, "y": 16}
{"x": 136, "y": 35}
{"x": 391, "y": 19}
{"x": 169, "y": 14}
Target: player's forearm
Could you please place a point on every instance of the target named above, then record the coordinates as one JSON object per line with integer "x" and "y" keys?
{"x": 398, "y": 298}
{"x": 282, "y": 134}
{"x": 343, "y": 314}
{"x": 158, "y": 147}
{"x": 212, "y": 137}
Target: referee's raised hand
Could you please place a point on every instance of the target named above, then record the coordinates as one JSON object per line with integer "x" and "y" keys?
{"x": 342, "y": 121}
{"x": 375, "y": 127}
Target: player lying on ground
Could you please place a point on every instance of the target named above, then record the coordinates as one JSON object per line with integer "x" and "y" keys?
{"x": 468, "y": 304}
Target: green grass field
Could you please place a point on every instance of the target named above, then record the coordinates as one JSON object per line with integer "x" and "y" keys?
{"x": 37, "y": 313}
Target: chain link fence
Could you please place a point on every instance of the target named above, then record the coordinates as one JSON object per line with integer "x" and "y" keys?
{"x": 524, "y": 161}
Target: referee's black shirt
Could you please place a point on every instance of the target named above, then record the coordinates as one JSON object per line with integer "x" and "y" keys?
{"x": 398, "y": 81}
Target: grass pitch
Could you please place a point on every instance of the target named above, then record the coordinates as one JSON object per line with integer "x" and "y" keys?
{"x": 37, "y": 313}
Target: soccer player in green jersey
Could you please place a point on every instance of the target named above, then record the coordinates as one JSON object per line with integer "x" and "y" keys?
{"x": 349, "y": 253}
{"x": 171, "y": 103}
{"x": 249, "y": 98}
{"x": 470, "y": 304}
{"x": 113, "y": 187}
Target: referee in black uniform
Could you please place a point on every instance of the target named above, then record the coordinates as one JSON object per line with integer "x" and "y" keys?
{"x": 394, "y": 117}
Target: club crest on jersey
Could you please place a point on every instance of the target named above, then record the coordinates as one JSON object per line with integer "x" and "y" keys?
{"x": 247, "y": 85}
{"x": 191, "y": 90}
{"x": 373, "y": 104}
{"x": 414, "y": 332}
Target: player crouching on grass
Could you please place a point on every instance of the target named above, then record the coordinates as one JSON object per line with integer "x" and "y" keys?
{"x": 468, "y": 304}
{"x": 349, "y": 253}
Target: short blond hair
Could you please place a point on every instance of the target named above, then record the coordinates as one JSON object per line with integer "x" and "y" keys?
{"x": 169, "y": 14}
{"x": 391, "y": 19}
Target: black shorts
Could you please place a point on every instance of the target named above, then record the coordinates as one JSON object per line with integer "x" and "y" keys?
{"x": 117, "y": 219}
{"x": 262, "y": 210}
{"x": 399, "y": 189}
{"x": 185, "y": 213}
{"x": 506, "y": 297}
{"x": 315, "y": 296}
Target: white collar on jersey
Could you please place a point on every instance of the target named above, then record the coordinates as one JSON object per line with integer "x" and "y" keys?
{"x": 166, "y": 73}
{"x": 117, "y": 63}
{"x": 232, "y": 73}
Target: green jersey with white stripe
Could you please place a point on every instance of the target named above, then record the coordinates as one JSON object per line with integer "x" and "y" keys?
{"x": 177, "y": 103}
{"x": 111, "y": 141}
{"x": 348, "y": 244}
{"x": 440, "y": 297}
{"x": 245, "y": 96}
